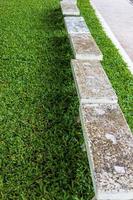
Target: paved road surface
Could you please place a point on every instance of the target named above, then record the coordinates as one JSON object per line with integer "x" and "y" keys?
{"x": 118, "y": 14}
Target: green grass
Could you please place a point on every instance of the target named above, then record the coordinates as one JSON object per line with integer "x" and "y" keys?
{"x": 41, "y": 157}
{"x": 41, "y": 139}
{"x": 115, "y": 67}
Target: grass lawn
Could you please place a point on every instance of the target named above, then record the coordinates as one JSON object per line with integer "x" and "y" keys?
{"x": 40, "y": 142}
{"x": 41, "y": 139}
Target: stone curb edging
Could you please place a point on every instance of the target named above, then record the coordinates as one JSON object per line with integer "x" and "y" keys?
{"x": 92, "y": 83}
{"x": 109, "y": 141}
{"x": 109, "y": 145}
{"x": 87, "y": 50}
{"x": 82, "y": 43}
{"x": 76, "y": 25}
{"x": 69, "y": 9}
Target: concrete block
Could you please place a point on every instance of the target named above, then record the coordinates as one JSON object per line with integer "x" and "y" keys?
{"x": 109, "y": 144}
{"x": 69, "y": 1}
{"x": 76, "y": 25}
{"x": 84, "y": 47}
{"x": 92, "y": 83}
{"x": 69, "y": 9}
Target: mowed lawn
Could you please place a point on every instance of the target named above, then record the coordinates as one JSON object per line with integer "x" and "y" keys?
{"x": 41, "y": 144}
{"x": 41, "y": 153}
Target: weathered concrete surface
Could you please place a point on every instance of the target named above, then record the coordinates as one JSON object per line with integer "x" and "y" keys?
{"x": 84, "y": 47}
{"x": 118, "y": 14}
{"x": 92, "y": 83}
{"x": 69, "y": 9}
{"x": 69, "y": 1}
{"x": 94, "y": 198}
{"x": 109, "y": 145}
{"x": 76, "y": 25}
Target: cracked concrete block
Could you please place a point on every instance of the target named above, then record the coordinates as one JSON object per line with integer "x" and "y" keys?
{"x": 84, "y": 47}
{"x": 92, "y": 83}
{"x": 69, "y": 9}
{"x": 109, "y": 144}
{"x": 76, "y": 25}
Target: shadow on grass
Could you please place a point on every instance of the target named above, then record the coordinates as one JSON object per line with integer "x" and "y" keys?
{"x": 63, "y": 165}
